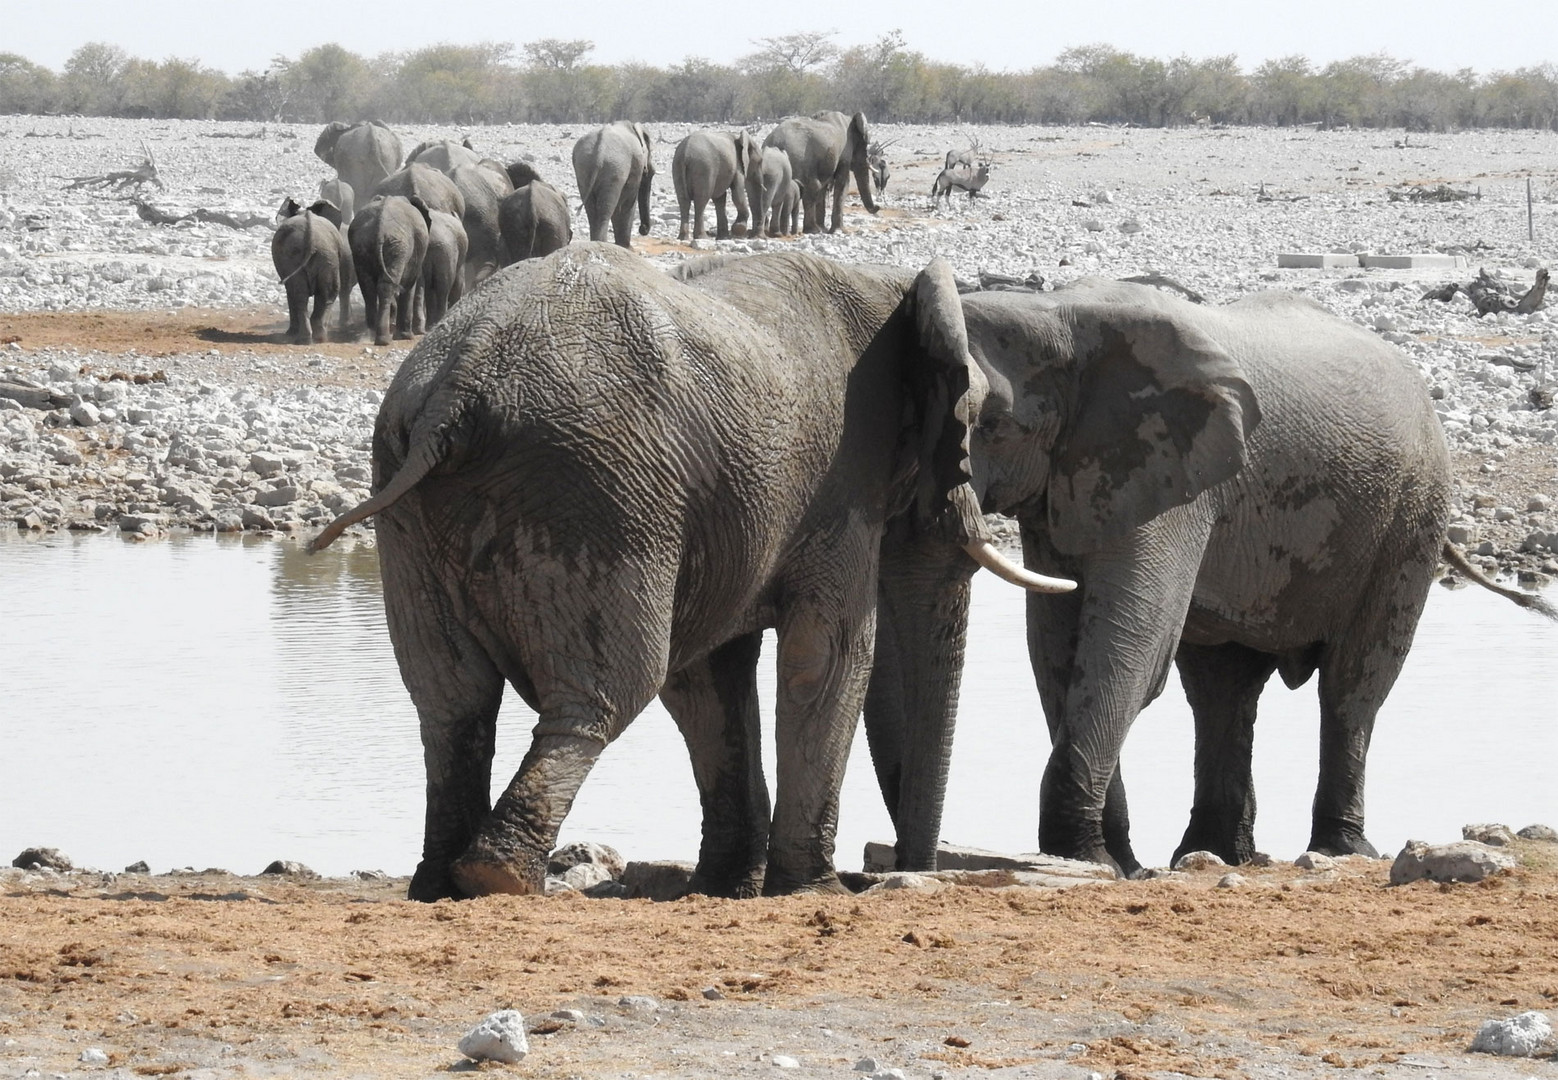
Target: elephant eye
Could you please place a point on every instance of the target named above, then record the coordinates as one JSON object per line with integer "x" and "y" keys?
{"x": 993, "y": 426}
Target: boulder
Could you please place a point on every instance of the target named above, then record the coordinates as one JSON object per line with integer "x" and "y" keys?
{"x": 1493, "y": 835}
{"x": 582, "y": 852}
{"x": 1465, "y": 860}
{"x": 43, "y": 858}
{"x": 1199, "y": 860}
{"x": 1519, "y": 1036}
{"x": 657, "y": 880}
{"x": 1539, "y": 832}
{"x": 500, "y": 1037}
{"x": 288, "y": 868}
{"x": 1313, "y": 860}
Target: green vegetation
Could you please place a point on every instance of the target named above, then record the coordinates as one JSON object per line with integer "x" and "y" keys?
{"x": 554, "y": 81}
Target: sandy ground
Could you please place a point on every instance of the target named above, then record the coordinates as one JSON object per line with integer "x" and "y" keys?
{"x": 1292, "y": 973}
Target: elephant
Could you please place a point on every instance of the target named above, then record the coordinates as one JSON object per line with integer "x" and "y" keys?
{"x": 445, "y": 155}
{"x": 483, "y": 186}
{"x": 311, "y": 255}
{"x": 613, "y": 165}
{"x": 534, "y": 222}
{"x": 362, "y": 154}
{"x": 521, "y": 173}
{"x": 790, "y": 211}
{"x": 1256, "y": 488}
{"x": 389, "y": 239}
{"x": 705, "y": 166}
{"x": 598, "y": 482}
{"x": 824, "y": 150}
{"x": 442, "y": 281}
{"x": 340, "y": 193}
{"x": 418, "y": 181}
{"x": 768, "y": 188}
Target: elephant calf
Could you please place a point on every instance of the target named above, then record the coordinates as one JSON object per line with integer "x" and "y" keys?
{"x": 312, "y": 257}
{"x": 442, "y": 282}
{"x": 533, "y": 222}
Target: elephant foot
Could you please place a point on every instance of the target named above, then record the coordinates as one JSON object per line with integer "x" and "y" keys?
{"x": 1210, "y": 833}
{"x": 1340, "y": 838}
{"x": 1083, "y": 839}
{"x": 740, "y": 887}
{"x": 484, "y": 873}
{"x": 828, "y": 883}
{"x": 432, "y": 882}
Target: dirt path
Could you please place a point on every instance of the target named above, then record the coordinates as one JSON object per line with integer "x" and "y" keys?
{"x": 1291, "y": 973}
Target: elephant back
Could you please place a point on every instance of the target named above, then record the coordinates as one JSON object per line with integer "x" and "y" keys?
{"x": 431, "y": 186}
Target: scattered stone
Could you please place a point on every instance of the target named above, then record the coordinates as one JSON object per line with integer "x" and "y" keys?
{"x": 638, "y": 1003}
{"x": 139, "y": 867}
{"x": 1493, "y": 835}
{"x": 882, "y": 858}
{"x": 1314, "y": 860}
{"x": 866, "y": 1065}
{"x": 583, "y": 852}
{"x": 500, "y": 1037}
{"x": 85, "y": 414}
{"x": 783, "y": 1061}
{"x": 288, "y": 868}
{"x": 256, "y": 519}
{"x": 43, "y": 858}
{"x": 573, "y": 1016}
{"x": 1198, "y": 860}
{"x": 1519, "y": 1036}
{"x": 712, "y": 993}
{"x": 920, "y": 882}
{"x": 1465, "y": 860}
{"x": 1231, "y": 881}
{"x": 1539, "y": 832}
{"x": 657, "y": 880}
{"x": 93, "y": 1056}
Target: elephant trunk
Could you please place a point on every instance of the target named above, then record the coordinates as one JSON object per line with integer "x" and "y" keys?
{"x": 861, "y": 167}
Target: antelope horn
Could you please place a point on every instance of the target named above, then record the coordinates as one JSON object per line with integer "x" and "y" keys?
{"x": 984, "y": 553}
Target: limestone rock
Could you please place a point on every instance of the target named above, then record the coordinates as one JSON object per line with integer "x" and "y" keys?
{"x": 638, "y": 1003}
{"x": 43, "y": 858}
{"x": 1493, "y": 835}
{"x": 138, "y": 867}
{"x": 1519, "y": 1036}
{"x": 1465, "y": 860}
{"x": 581, "y": 852}
{"x": 1313, "y": 860}
{"x": 289, "y": 868}
{"x": 1231, "y": 881}
{"x": 882, "y": 858}
{"x": 657, "y": 880}
{"x": 500, "y": 1037}
{"x": 920, "y": 882}
{"x": 1198, "y": 860}
{"x": 1539, "y": 832}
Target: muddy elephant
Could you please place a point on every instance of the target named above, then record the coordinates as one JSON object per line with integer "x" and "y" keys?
{"x": 534, "y": 222}
{"x": 362, "y": 154}
{"x": 311, "y": 257}
{"x": 597, "y": 482}
{"x": 768, "y": 184}
{"x": 707, "y": 166}
{"x": 443, "y": 280}
{"x": 433, "y": 188}
{"x": 483, "y": 186}
{"x": 1242, "y": 490}
{"x": 388, "y": 238}
{"x": 825, "y": 150}
{"x": 613, "y": 166}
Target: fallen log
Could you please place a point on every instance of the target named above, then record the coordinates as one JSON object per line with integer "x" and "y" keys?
{"x": 144, "y": 173}
{"x": 1490, "y": 293}
{"x": 33, "y": 397}
{"x": 147, "y": 212}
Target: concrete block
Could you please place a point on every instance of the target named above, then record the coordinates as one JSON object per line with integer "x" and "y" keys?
{"x": 1422, "y": 261}
{"x": 1313, "y": 260}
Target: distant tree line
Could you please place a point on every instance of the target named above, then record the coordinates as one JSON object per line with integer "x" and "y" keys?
{"x": 553, "y": 80}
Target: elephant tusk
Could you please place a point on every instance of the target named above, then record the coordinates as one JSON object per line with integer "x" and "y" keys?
{"x": 984, "y": 553}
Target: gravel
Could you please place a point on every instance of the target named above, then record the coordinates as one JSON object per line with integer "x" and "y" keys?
{"x": 222, "y": 447}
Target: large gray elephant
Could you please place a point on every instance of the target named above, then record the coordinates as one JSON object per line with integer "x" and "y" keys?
{"x": 708, "y": 165}
{"x": 534, "y": 222}
{"x": 388, "y": 238}
{"x": 418, "y": 181}
{"x": 445, "y": 155}
{"x": 484, "y": 186}
{"x": 1249, "y": 489}
{"x": 362, "y": 154}
{"x": 825, "y": 150}
{"x": 311, "y": 257}
{"x": 769, "y": 192}
{"x": 598, "y": 483}
{"x": 613, "y": 165}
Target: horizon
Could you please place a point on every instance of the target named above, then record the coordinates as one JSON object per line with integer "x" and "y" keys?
{"x": 1008, "y": 37}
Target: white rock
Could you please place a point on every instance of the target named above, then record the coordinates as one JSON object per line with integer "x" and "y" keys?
{"x": 1231, "y": 881}
{"x": 1314, "y": 860}
{"x": 1462, "y": 861}
{"x": 1198, "y": 860}
{"x": 500, "y": 1037}
{"x": 1493, "y": 835}
{"x": 866, "y": 1065}
{"x": 783, "y": 1061}
{"x": 920, "y": 882}
{"x": 1519, "y": 1036}
{"x": 93, "y": 1056}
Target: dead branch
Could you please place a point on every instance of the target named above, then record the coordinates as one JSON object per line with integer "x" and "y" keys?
{"x": 144, "y": 173}
{"x": 147, "y": 212}
{"x": 1419, "y": 193}
{"x": 1491, "y": 293}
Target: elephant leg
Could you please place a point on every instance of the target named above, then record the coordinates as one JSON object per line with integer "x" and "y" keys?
{"x": 389, "y": 301}
{"x": 622, "y": 222}
{"x": 813, "y": 205}
{"x": 839, "y": 185}
{"x": 297, "y": 311}
{"x": 721, "y": 219}
{"x": 911, "y": 701}
{"x": 316, "y": 324}
{"x": 599, "y": 217}
{"x": 714, "y": 703}
{"x": 457, "y": 691}
{"x": 1223, "y": 684}
{"x": 743, "y": 223}
{"x": 344, "y": 315}
{"x": 1357, "y": 671}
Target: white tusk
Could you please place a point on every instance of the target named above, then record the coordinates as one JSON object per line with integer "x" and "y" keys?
{"x": 984, "y": 553}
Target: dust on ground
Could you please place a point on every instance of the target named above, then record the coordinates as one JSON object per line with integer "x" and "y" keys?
{"x": 1292, "y": 973}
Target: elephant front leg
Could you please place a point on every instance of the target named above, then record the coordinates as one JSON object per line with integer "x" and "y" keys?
{"x": 721, "y": 218}
{"x": 714, "y": 703}
{"x": 823, "y": 666}
{"x": 1223, "y": 684}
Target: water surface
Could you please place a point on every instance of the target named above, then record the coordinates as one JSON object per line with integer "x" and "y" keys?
{"x": 204, "y": 701}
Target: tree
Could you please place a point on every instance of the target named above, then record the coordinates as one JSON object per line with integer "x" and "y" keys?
{"x": 456, "y": 84}
{"x": 1285, "y": 90}
{"x": 25, "y": 87}
{"x": 797, "y": 53}
{"x": 555, "y": 54}
{"x": 325, "y": 83}
{"x": 94, "y": 79}
{"x": 697, "y": 91}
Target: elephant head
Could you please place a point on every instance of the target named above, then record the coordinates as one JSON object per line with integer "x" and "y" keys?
{"x": 857, "y": 149}
{"x": 749, "y": 155}
{"x": 521, "y": 173}
{"x": 1102, "y": 406}
{"x": 646, "y": 181}
{"x": 324, "y": 146}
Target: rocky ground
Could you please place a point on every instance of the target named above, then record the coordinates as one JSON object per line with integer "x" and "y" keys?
{"x": 162, "y": 396}
{"x": 1319, "y": 968}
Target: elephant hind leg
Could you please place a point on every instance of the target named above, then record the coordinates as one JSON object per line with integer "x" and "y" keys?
{"x": 1223, "y": 684}
{"x": 715, "y": 706}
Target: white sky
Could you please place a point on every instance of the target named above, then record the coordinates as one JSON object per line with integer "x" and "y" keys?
{"x": 1003, "y": 34}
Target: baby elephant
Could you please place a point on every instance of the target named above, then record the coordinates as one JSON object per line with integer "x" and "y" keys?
{"x": 389, "y": 242}
{"x": 312, "y": 258}
{"x": 534, "y": 222}
{"x": 340, "y": 192}
{"x": 442, "y": 281}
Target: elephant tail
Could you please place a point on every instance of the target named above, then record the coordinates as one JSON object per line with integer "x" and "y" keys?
{"x": 1529, "y": 601}
{"x": 418, "y": 465}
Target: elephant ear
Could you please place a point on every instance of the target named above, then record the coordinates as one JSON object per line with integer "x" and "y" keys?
{"x": 649, "y": 143}
{"x": 421, "y": 148}
{"x": 327, "y": 210}
{"x": 860, "y": 131}
{"x": 943, "y": 498}
{"x": 289, "y": 208}
{"x": 1162, "y": 414}
{"x": 324, "y": 146}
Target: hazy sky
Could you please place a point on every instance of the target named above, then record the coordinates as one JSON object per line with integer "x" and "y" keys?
{"x": 1002, "y": 34}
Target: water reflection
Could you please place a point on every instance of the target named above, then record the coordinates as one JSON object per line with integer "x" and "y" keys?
{"x": 229, "y": 701}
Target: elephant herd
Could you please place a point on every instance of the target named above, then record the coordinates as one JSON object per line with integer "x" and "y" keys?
{"x": 414, "y": 234}
{"x": 597, "y": 483}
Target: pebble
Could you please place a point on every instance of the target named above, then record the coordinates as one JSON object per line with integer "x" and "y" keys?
{"x": 500, "y": 1037}
{"x": 712, "y": 993}
{"x": 866, "y": 1065}
{"x": 783, "y": 1061}
{"x": 1519, "y": 1036}
{"x": 1198, "y": 860}
{"x": 93, "y": 1056}
{"x": 1313, "y": 860}
{"x": 1232, "y": 881}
